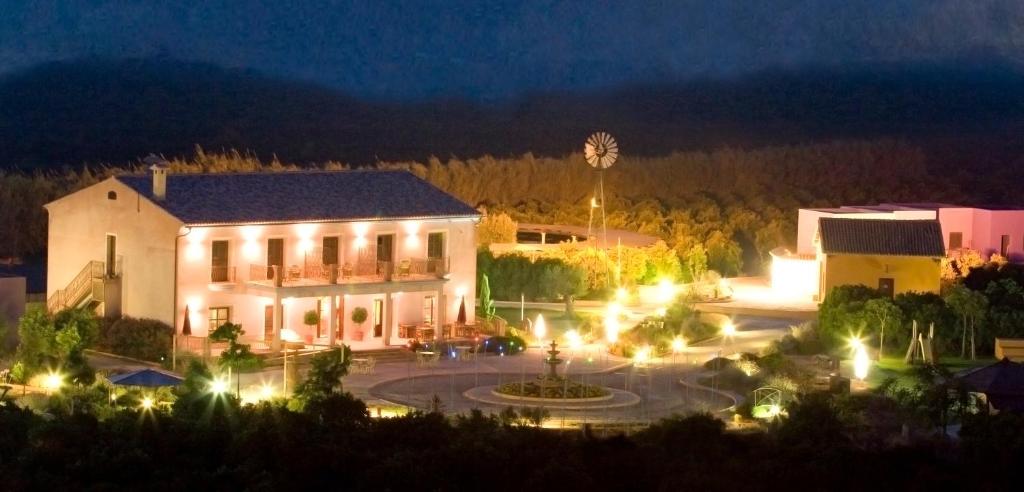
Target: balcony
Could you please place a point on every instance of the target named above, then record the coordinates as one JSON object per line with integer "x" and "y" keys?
{"x": 364, "y": 271}
{"x": 222, "y": 275}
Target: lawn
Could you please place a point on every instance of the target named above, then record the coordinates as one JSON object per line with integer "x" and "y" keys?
{"x": 556, "y": 321}
{"x": 895, "y": 367}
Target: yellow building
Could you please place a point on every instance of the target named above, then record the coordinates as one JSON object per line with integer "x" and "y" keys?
{"x": 894, "y": 256}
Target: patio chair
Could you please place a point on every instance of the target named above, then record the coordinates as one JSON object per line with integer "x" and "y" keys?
{"x": 371, "y": 363}
{"x": 404, "y": 268}
{"x": 346, "y": 270}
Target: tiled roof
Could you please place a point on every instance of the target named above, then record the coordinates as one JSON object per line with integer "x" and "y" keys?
{"x": 301, "y": 196}
{"x": 881, "y": 237}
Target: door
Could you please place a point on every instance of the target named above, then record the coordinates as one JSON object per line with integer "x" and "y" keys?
{"x": 330, "y": 251}
{"x": 378, "y": 318}
{"x": 275, "y": 256}
{"x": 268, "y": 322}
{"x": 956, "y": 240}
{"x": 1004, "y": 246}
{"x": 219, "y": 261}
{"x": 887, "y": 286}
{"x": 111, "y": 255}
{"x": 320, "y": 318}
{"x": 435, "y": 251}
{"x": 385, "y": 252}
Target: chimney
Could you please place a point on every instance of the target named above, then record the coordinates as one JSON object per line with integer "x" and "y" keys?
{"x": 158, "y": 168}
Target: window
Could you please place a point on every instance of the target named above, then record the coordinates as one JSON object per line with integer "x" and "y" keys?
{"x": 219, "y": 316}
{"x": 111, "y": 269}
{"x": 378, "y": 318}
{"x": 268, "y": 322}
{"x": 330, "y": 250}
{"x": 956, "y": 240}
{"x": 111, "y": 195}
{"x": 219, "y": 261}
{"x": 428, "y": 310}
{"x": 1004, "y": 246}
{"x": 321, "y": 309}
{"x": 385, "y": 252}
{"x": 275, "y": 256}
{"x": 435, "y": 251}
{"x": 886, "y": 286}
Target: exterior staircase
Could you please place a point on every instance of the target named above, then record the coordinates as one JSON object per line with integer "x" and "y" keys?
{"x": 88, "y": 289}
{"x": 386, "y": 355}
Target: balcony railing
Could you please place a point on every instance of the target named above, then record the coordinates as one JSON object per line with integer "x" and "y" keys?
{"x": 365, "y": 270}
{"x": 222, "y": 274}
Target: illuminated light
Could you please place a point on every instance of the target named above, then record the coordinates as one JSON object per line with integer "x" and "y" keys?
{"x": 266, "y": 392}
{"x": 661, "y": 312}
{"x": 460, "y": 292}
{"x": 218, "y": 386}
{"x": 147, "y": 403}
{"x": 678, "y": 344}
{"x": 251, "y": 250}
{"x": 574, "y": 339}
{"x": 642, "y": 355}
{"x": 289, "y": 335}
{"x": 412, "y": 241}
{"x": 305, "y": 245}
{"x": 305, "y": 231}
{"x": 774, "y": 410}
{"x": 593, "y": 202}
{"x": 250, "y": 232}
{"x": 360, "y": 228}
{"x": 621, "y": 294}
{"x": 666, "y": 291}
{"x": 53, "y": 381}
{"x": 360, "y": 242}
{"x": 194, "y": 252}
{"x": 540, "y": 329}
{"x": 411, "y": 227}
{"x": 287, "y": 301}
{"x": 861, "y": 363}
{"x": 728, "y": 329}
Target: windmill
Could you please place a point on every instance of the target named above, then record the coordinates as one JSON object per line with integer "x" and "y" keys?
{"x": 600, "y": 151}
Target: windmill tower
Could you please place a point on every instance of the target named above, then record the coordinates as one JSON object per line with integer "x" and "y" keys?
{"x": 600, "y": 150}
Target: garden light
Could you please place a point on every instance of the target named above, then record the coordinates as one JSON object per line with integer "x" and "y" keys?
{"x": 53, "y": 381}
{"x": 147, "y": 403}
{"x": 666, "y": 291}
{"x": 861, "y": 363}
{"x": 266, "y": 392}
{"x": 574, "y": 339}
{"x": 643, "y": 355}
{"x": 621, "y": 294}
{"x": 728, "y": 329}
{"x": 218, "y": 386}
{"x": 678, "y": 344}
{"x": 540, "y": 329}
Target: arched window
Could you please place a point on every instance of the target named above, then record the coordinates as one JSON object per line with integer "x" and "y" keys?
{"x": 111, "y": 195}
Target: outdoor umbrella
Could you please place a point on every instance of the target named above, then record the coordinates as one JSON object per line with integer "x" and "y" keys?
{"x": 461, "y": 319}
{"x": 149, "y": 378}
{"x": 1002, "y": 383}
{"x": 186, "y": 327}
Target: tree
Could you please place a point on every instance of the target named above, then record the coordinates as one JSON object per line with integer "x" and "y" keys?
{"x": 886, "y": 313}
{"x": 496, "y": 228}
{"x": 325, "y": 373}
{"x": 724, "y": 255}
{"x": 695, "y": 263}
{"x": 562, "y": 280}
{"x": 970, "y": 306}
{"x": 359, "y": 315}
{"x": 37, "y": 347}
{"x": 486, "y": 303}
{"x": 236, "y": 356}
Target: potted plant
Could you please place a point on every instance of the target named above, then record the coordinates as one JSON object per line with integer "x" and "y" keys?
{"x": 311, "y": 319}
{"x": 359, "y": 317}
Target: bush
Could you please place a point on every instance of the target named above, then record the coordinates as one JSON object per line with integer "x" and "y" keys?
{"x": 146, "y": 339}
{"x": 511, "y": 345}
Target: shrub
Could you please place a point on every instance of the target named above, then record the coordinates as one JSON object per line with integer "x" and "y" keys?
{"x": 146, "y": 339}
{"x": 510, "y": 345}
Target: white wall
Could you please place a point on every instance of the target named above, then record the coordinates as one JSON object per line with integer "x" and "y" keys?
{"x": 78, "y": 226}
{"x": 248, "y": 247}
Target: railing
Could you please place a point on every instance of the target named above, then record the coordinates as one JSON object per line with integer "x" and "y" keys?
{"x": 222, "y": 274}
{"x": 78, "y": 287}
{"x": 364, "y": 270}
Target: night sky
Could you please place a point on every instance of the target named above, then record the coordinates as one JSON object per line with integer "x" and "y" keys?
{"x": 491, "y": 50}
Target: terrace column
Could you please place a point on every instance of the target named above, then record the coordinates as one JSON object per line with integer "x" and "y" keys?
{"x": 441, "y": 304}
{"x": 278, "y": 323}
{"x": 332, "y": 323}
{"x": 389, "y": 311}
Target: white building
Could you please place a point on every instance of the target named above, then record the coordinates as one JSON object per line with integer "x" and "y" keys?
{"x": 989, "y": 230}
{"x": 263, "y": 249}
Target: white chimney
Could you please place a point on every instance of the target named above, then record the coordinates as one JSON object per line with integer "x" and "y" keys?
{"x": 158, "y": 167}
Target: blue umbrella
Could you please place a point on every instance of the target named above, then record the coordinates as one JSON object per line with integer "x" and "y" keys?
{"x": 149, "y": 378}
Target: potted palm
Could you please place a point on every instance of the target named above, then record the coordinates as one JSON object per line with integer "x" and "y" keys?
{"x": 359, "y": 317}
